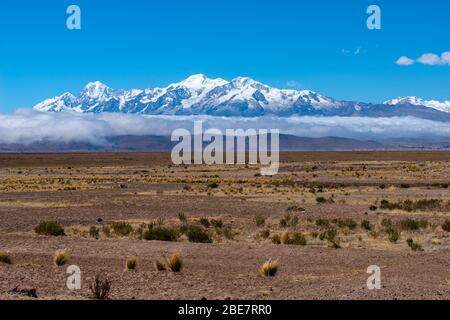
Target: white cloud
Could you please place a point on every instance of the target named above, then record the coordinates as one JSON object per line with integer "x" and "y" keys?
{"x": 293, "y": 84}
{"x": 429, "y": 59}
{"x": 405, "y": 61}
{"x": 26, "y": 126}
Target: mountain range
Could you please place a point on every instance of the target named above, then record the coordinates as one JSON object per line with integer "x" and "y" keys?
{"x": 240, "y": 97}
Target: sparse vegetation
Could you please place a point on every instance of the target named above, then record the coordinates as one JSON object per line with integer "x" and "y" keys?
{"x": 198, "y": 234}
{"x": 101, "y": 287}
{"x": 94, "y": 232}
{"x": 414, "y": 245}
{"x": 50, "y": 228}
{"x": 365, "y": 224}
{"x": 393, "y": 234}
{"x": 413, "y": 225}
{"x": 349, "y": 223}
{"x": 160, "y": 233}
{"x": 269, "y": 268}
{"x": 175, "y": 262}
{"x": 205, "y": 222}
{"x": 418, "y": 205}
{"x": 131, "y": 264}
{"x": 260, "y": 221}
{"x": 276, "y": 238}
{"x": 60, "y": 258}
{"x": 159, "y": 265}
{"x": 4, "y": 257}
{"x": 288, "y": 220}
{"x": 446, "y": 226}
{"x": 122, "y": 229}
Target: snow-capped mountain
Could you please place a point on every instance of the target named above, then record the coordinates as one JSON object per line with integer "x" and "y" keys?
{"x": 243, "y": 97}
{"x": 196, "y": 95}
{"x": 415, "y": 101}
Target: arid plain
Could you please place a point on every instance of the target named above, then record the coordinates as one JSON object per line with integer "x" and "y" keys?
{"x": 325, "y": 218}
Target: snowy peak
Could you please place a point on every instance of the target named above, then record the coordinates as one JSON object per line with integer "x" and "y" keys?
{"x": 96, "y": 90}
{"x": 415, "y": 101}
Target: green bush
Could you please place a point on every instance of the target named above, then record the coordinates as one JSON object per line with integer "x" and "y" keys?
{"x": 122, "y": 229}
{"x": 198, "y": 234}
{"x": 160, "y": 233}
{"x": 50, "y": 228}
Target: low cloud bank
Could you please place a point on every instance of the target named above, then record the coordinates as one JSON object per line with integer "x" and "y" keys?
{"x": 27, "y": 126}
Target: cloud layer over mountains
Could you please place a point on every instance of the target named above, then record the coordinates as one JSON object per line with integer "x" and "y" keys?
{"x": 27, "y": 126}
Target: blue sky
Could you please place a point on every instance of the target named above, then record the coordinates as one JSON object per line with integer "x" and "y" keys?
{"x": 141, "y": 43}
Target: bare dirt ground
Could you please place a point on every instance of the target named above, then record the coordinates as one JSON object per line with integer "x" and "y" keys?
{"x": 350, "y": 210}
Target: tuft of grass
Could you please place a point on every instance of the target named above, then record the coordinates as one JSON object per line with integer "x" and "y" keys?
{"x": 94, "y": 232}
{"x": 365, "y": 224}
{"x": 413, "y": 225}
{"x": 4, "y": 257}
{"x": 276, "y": 238}
{"x": 322, "y": 223}
{"x": 101, "y": 287}
{"x": 159, "y": 265}
{"x": 418, "y": 205}
{"x": 414, "y": 245}
{"x": 446, "y": 226}
{"x": 60, "y": 258}
{"x": 106, "y": 231}
{"x": 349, "y": 223}
{"x": 393, "y": 234}
{"x": 182, "y": 217}
{"x": 289, "y": 220}
{"x": 198, "y": 234}
{"x": 260, "y": 221}
{"x": 218, "y": 224}
{"x": 50, "y": 228}
{"x": 204, "y": 222}
{"x": 175, "y": 262}
{"x": 131, "y": 264}
{"x": 160, "y": 233}
{"x": 296, "y": 238}
{"x": 269, "y": 268}
{"x": 122, "y": 229}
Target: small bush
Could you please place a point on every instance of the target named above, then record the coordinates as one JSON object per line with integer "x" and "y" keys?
{"x": 446, "y": 226}
{"x": 365, "y": 224}
{"x": 131, "y": 264}
{"x": 322, "y": 223}
{"x": 160, "y": 266}
{"x": 213, "y": 185}
{"x": 386, "y": 223}
{"x": 276, "y": 238}
{"x": 198, "y": 234}
{"x": 182, "y": 217}
{"x": 160, "y": 233}
{"x": 122, "y": 229}
{"x": 175, "y": 262}
{"x": 297, "y": 239}
{"x": 413, "y": 245}
{"x": 4, "y": 258}
{"x": 260, "y": 221}
{"x": 288, "y": 221}
{"x": 218, "y": 224}
{"x": 227, "y": 232}
{"x": 100, "y": 288}
{"x": 393, "y": 234}
{"x": 349, "y": 223}
{"x": 321, "y": 200}
{"x": 373, "y": 208}
{"x": 50, "y": 228}
{"x": 269, "y": 268}
{"x": 205, "y": 222}
{"x": 94, "y": 232}
{"x": 60, "y": 258}
{"x": 413, "y": 225}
